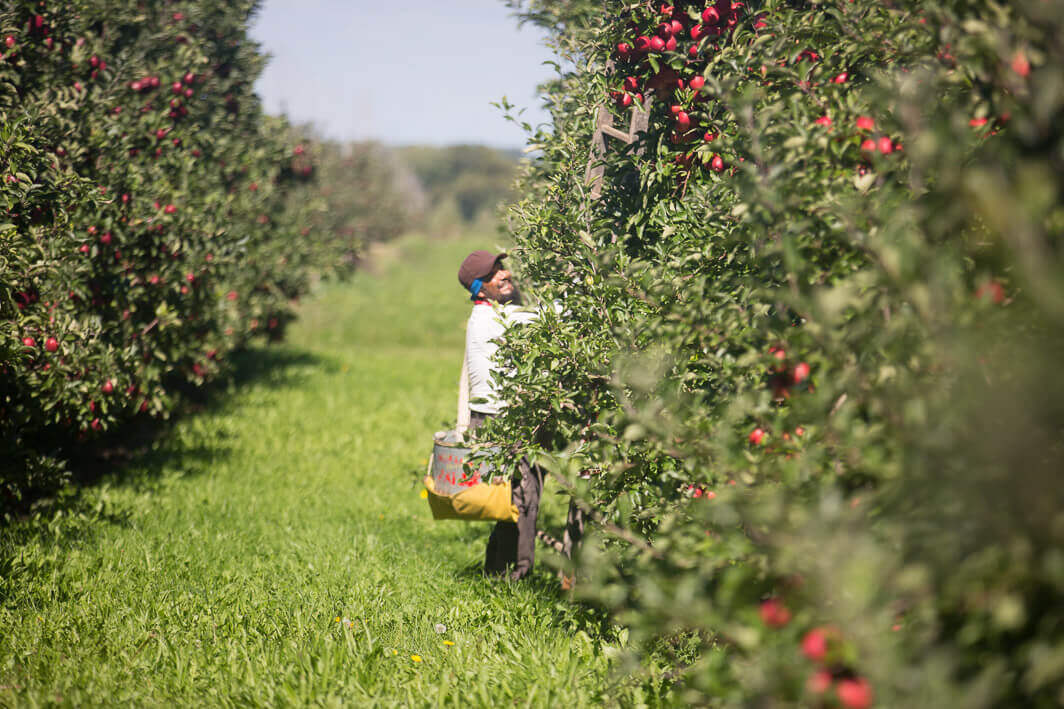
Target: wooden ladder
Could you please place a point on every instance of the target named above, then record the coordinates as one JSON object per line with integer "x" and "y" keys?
{"x": 604, "y": 127}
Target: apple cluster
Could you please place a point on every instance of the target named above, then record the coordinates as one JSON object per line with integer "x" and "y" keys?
{"x": 664, "y": 54}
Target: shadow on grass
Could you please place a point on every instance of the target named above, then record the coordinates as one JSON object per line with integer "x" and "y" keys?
{"x": 138, "y": 452}
{"x": 135, "y": 456}
{"x": 144, "y": 444}
{"x": 544, "y": 582}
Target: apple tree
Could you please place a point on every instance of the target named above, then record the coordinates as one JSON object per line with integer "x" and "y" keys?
{"x": 154, "y": 218}
{"x": 803, "y": 378}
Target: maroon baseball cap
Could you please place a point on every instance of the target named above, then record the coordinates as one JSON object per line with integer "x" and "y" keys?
{"x": 477, "y": 266}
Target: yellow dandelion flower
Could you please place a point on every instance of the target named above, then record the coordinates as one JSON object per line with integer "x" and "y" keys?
{"x": 336, "y": 619}
{"x": 448, "y": 643}
{"x": 395, "y": 652}
{"x": 416, "y": 658}
{"x": 424, "y": 494}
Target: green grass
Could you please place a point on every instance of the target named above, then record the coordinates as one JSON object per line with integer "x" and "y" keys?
{"x": 211, "y": 570}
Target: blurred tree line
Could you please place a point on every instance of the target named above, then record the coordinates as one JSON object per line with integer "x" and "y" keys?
{"x": 374, "y": 192}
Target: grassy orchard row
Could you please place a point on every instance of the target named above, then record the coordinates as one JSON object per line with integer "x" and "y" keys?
{"x": 154, "y": 218}
{"x": 805, "y": 366}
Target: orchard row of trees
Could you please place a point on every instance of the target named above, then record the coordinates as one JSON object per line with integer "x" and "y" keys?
{"x": 807, "y": 379}
{"x": 153, "y": 218}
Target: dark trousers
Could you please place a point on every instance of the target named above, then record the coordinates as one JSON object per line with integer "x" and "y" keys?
{"x": 512, "y": 546}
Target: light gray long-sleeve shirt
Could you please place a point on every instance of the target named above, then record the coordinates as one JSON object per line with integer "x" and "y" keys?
{"x": 487, "y": 323}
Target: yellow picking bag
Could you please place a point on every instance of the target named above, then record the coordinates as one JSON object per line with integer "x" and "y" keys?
{"x": 454, "y": 495}
{"x": 481, "y": 501}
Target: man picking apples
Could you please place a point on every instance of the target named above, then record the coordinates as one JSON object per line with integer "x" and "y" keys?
{"x": 496, "y": 306}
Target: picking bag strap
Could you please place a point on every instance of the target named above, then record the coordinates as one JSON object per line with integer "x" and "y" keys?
{"x": 462, "y": 419}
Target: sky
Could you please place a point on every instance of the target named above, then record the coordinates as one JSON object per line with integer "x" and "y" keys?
{"x": 403, "y": 73}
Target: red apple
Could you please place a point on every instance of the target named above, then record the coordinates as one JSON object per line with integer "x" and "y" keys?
{"x": 697, "y": 82}
{"x": 865, "y": 123}
{"x": 623, "y": 49}
{"x": 717, "y": 163}
{"x": 855, "y": 693}
{"x": 670, "y": 44}
{"x": 631, "y": 83}
{"x": 107, "y": 387}
{"x": 1020, "y": 64}
{"x": 885, "y": 145}
{"x": 170, "y": 209}
{"x": 657, "y": 44}
{"x": 29, "y": 342}
{"x": 683, "y": 121}
{"x": 819, "y": 682}
{"x": 992, "y": 290}
{"x": 774, "y": 614}
{"x": 800, "y": 372}
{"x": 642, "y": 43}
{"x": 841, "y": 78}
{"x": 815, "y": 644}
{"x": 710, "y": 16}
{"x": 51, "y": 344}
{"x": 757, "y": 436}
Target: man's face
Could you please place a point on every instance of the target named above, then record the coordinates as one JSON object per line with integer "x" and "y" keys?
{"x": 498, "y": 286}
